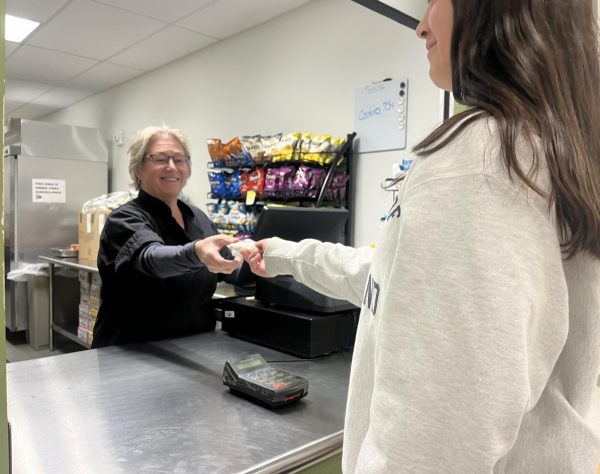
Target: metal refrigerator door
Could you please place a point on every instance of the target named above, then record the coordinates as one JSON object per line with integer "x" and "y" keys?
{"x": 45, "y": 220}
{"x": 34, "y": 225}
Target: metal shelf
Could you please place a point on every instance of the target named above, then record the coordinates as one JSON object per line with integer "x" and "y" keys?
{"x": 341, "y": 160}
{"x": 69, "y": 330}
{"x": 71, "y": 262}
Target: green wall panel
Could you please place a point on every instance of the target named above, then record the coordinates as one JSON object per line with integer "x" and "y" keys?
{"x": 3, "y": 422}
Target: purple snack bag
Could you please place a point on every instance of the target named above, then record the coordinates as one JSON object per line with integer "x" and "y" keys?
{"x": 338, "y": 187}
{"x": 317, "y": 176}
{"x": 300, "y": 182}
{"x": 270, "y": 182}
{"x": 285, "y": 175}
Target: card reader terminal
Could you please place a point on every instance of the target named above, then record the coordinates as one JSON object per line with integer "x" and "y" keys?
{"x": 253, "y": 376}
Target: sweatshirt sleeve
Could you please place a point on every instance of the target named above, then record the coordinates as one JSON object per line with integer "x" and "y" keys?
{"x": 331, "y": 269}
{"x": 473, "y": 319}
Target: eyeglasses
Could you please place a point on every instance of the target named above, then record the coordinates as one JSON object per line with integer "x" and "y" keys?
{"x": 163, "y": 160}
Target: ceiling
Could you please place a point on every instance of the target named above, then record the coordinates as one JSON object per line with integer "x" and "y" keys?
{"x": 83, "y": 47}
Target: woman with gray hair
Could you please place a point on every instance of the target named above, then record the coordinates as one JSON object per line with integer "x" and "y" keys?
{"x": 159, "y": 258}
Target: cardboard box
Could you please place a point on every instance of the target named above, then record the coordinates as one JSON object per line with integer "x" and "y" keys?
{"x": 90, "y": 228}
{"x": 84, "y": 310}
{"x": 85, "y": 277}
{"x": 84, "y": 292}
{"x": 84, "y": 323}
{"x": 85, "y": 335}
{"x": 93, "y": 312}
{"x": 94, "y": 291}
{"x": 96, "y": 280}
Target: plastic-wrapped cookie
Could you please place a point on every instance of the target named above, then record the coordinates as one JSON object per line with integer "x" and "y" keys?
{"x": 247, "y": 244}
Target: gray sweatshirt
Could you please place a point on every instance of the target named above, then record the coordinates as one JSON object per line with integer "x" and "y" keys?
{"x": 478, "y": 345}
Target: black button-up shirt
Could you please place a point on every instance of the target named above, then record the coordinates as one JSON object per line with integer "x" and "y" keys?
{"x": 136, "y": 306}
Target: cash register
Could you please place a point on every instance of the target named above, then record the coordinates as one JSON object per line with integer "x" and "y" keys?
{"x": 285, "y": 314}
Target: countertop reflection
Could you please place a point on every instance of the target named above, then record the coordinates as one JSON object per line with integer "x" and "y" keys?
{"x": 162, "y": 407}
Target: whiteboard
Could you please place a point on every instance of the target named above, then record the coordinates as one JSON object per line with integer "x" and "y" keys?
{"x": 380, "y": 111}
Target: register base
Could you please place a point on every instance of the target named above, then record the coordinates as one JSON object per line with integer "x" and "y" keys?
{"x": 302, "y": 334}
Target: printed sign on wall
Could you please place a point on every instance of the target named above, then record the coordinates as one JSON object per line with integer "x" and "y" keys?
{"x": 380, "y": 111}
{"x": 48, "y": 190}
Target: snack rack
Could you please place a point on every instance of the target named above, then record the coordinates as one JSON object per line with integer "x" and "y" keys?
{"x": 338, "y": 167}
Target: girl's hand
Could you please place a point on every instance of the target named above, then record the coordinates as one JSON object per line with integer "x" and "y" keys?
{"x": 255, "y": 259}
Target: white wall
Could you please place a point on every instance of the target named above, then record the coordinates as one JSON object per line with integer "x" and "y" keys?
{"x": 297, "y": 72}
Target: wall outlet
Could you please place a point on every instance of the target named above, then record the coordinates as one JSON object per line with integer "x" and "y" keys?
{"x": 118, "y": 137}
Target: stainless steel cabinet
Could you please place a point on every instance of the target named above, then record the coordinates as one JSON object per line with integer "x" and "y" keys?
{"x": 50, "y": 170}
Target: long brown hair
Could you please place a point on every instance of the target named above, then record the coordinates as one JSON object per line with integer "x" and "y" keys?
{"x": 533, "y": 66}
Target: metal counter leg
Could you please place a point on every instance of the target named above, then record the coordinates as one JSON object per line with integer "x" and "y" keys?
{"x": 51, "y": 303}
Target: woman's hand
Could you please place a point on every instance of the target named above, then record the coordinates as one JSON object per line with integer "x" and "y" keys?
{"x": 255, "y": 258}
{"x": 208, "y": 249}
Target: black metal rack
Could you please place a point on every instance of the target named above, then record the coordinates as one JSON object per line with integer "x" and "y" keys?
{"x": 342, "y": 160}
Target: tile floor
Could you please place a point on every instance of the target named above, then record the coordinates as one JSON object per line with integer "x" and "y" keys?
{"x": 18, "y": 348}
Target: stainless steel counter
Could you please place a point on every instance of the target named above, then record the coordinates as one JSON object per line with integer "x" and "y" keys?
{"x": 71, "y": 262}
{"x": 162, "y": 408}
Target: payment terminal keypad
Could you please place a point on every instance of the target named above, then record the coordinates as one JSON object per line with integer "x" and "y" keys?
{"x": 254, "y": 376}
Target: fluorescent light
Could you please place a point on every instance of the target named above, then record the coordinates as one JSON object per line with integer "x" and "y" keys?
{"x": 17, "y": 29}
